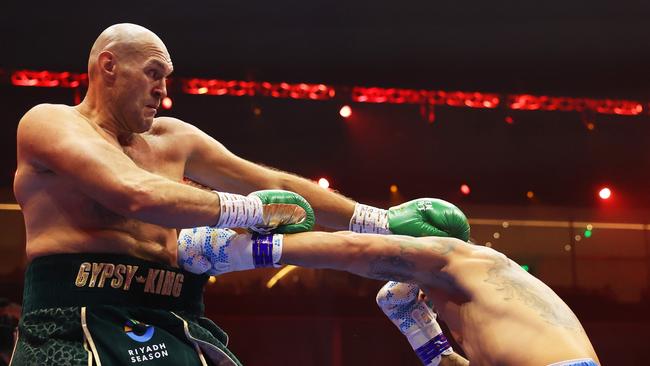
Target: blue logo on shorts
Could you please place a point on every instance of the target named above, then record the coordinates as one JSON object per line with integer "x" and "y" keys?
{"x": 137, "y": 331}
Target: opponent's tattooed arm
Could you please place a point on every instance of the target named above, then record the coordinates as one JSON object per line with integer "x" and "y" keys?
{"x": 398, "y": 258}
{"x": 391, "y": 268}
{"x": 414, "y": 256}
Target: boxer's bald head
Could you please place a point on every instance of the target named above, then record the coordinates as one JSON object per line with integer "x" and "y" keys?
{"x": 126, "y": 40}
{"x": 127, "y": 70}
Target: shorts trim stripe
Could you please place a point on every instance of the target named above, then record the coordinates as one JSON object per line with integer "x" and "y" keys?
{"x": 90, "y": 354}
{"x": 15, "y": 345}
{"x": 89, "y": 338}
{"x": 186, "y": 329}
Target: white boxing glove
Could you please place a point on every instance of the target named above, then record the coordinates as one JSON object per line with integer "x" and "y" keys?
{"x": 215, "y": 251}
{"x": 404, "y": 306}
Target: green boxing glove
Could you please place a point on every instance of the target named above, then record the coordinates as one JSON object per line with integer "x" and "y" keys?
{"x": 420, "y": 217}
{"x": 266, "y": 211}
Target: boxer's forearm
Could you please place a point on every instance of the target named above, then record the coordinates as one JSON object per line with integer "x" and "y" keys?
{"x": 396, "y": 258}
{"x": 163, "y": 202}
{"x": 212, "y": 165}
{"x": 332, "y": 210}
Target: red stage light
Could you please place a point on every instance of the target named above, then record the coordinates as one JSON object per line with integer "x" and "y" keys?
{"x": 324, "y": 183}
{"x": 565, "y": 104}
{"x": 464, "y": 189}
{"x": 432, "y": 97}
{"x": 48, "y": 79}
{"x": 605, "y": 193}
{"x": 345, "y": 111}
{"x": 167, "y": 103}
{"x": 251, "y": 88}
{"x": 360, "y": 94}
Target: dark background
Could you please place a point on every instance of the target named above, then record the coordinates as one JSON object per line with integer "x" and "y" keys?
{"x": 593, "y": 49}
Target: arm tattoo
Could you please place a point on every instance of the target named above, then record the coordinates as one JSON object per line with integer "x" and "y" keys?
{"x": 399, "y": 267}
{"x": 535, "y": 295}
{"x": 391, "y": 268}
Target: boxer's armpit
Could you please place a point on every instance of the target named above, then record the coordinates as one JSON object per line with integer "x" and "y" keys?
{"x": 443, "y": 280}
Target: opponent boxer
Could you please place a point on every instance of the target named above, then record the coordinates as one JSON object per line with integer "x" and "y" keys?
{"x": 499, "y": 313}
{"x": 449, "y": 219}
{"x": 100, "y": 188}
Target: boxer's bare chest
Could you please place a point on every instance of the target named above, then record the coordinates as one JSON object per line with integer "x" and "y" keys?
{"x": 155, "y": 154}
{"x": 82, "y": 223}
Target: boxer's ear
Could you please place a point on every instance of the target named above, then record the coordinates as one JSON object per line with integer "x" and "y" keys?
{"x": 106, "y": 62}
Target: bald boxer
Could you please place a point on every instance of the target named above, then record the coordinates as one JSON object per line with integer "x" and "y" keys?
{"x": 498, "y": 313}
{"x": 100, "y": 188}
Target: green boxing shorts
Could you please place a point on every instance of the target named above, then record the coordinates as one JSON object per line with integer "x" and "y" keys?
{"x": 107, "y": 309}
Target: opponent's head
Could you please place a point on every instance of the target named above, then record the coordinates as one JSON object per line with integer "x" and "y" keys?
{"x": 127, "y": 71}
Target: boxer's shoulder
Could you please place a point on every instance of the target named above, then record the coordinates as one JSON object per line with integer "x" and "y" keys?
{"x": 48, "y": 119}
{"x": 170, "y": 126}
{"x": 50, "y": 107}
{"x": 46, "y": 112}
{"x": 43, "y": 121}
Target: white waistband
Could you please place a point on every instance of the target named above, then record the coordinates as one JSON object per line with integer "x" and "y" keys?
{"x": 573, "y": 362}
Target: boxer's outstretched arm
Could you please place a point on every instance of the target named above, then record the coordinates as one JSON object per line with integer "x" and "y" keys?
{"x": 388, "y": 258}
{"x": 396, "y": 258}
{"x": 401, "y": 258}
{"x": 50, "y": 140}
{"x": 213, "y": 165}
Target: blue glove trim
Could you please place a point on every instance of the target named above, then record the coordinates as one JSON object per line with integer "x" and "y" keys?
{"x": 262, "y": 250}
{"x": 432, "y": 349}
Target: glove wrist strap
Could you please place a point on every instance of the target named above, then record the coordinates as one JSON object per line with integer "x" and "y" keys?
{"x": 266, "y": 250}
{"x": 239, "y": 211}
{"x": 431, "y": 352}
{"x": 368, "y": 219}
{"x": 428, "y": 342}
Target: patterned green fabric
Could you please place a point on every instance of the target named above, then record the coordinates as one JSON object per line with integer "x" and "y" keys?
{"x": 137, "y": 313}
{"x": 55, "y": 337}
{"x": 51, "y": 337}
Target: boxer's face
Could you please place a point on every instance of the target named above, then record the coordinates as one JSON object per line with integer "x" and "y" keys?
{"x": 141, "y": 86}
